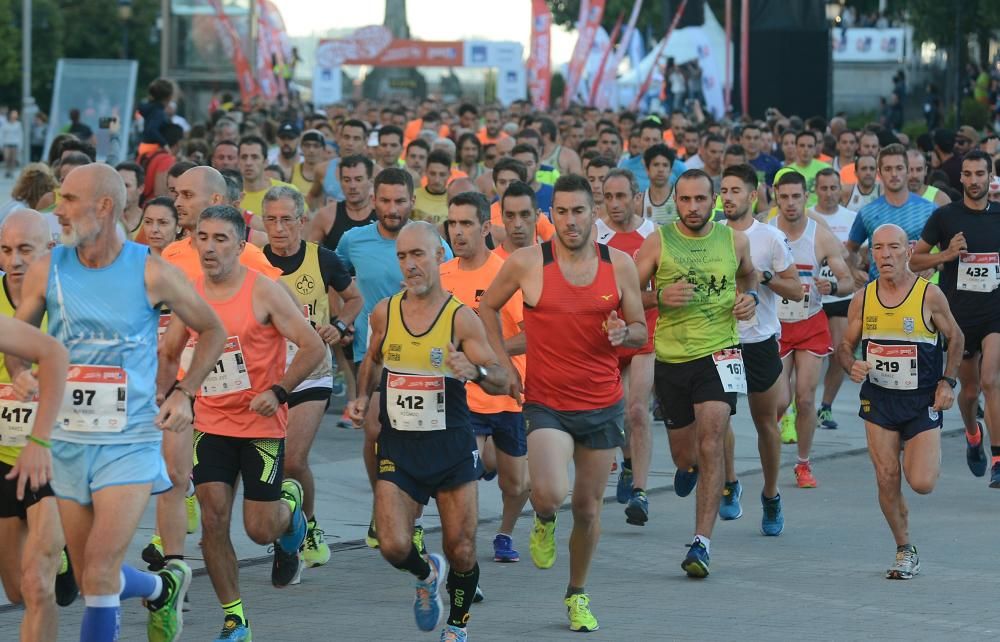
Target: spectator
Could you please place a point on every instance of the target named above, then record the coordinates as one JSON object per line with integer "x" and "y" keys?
{"x": 11, "y": 136}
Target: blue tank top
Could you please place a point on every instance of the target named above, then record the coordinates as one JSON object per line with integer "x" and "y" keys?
{"x": 331, "y": 184}
{"x": 104, "y": 318}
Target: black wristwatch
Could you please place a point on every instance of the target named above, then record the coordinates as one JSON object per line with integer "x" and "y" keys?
{"x": 481, "y": 373}
{"x": 280, "y": 393}
{"x": 340, "y": 325}
{"x": 767, "y": 277}
{"x": 951, "y": 382}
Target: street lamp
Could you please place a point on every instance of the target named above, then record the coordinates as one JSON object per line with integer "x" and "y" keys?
{"x": 125, "y": 14}
{"x": 833, "y": 10}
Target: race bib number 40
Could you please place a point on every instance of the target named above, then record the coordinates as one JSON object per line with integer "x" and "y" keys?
{"x": 95, "y": 399}
{"x": 230, "y": 372}
{"x": 978, "y": 272}
{"x": 729, "y": 364}
{"x": 17, "y": 417}
{"x": 893, "y": 367}
{"x": 415, "y": 402}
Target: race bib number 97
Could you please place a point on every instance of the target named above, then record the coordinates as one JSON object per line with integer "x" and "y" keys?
{"x": 95, "y": 399}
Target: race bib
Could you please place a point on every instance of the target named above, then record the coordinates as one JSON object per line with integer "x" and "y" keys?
{"x": 893, "y": 367}
{"x": 795, "y": 310}
{"x": 162, "y": 328}
{"x": 415, "y": 402}
{"x": 16, "y": 417}
{"x": 729, "y": 364}
{"x": 95, "y": 399}
{"x": 230, "y": 372}
{"x": 978, "y": 272}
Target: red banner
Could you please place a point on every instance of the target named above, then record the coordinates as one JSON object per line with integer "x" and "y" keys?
{"x": 599, "y": 74}
{"x": 540, "y": 61}
{"x": 609, "y": 83}
{"x": 370, "y": 46}
{"x": 234, "y": 48}
{"x": 591, "y": 14}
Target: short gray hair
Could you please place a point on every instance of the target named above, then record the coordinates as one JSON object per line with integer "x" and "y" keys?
{"x": 445, "y": 144}
{"x": 229, "y": 214}
{"x": 619, "y": 172}
{"x": 279, "y": 192}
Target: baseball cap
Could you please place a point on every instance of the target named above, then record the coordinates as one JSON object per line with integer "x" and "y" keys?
{"x": 288, "y": 129}
{"x": 969, "y": 133}
{"x": 313, "y": 135}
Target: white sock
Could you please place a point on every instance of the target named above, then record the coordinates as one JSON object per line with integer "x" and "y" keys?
{"x": 803, "y": 461}
{"x": 707, "y": 543}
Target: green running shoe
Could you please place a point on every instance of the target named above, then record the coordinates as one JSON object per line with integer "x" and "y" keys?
{"x": 580, "y": 617}
{"x": 166, "y": 622}
{"x": 316, "y": 551}
{"x": 542, "y": 543}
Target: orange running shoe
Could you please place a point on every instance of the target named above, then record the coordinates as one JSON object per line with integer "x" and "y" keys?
{"x": 804, "y": 475}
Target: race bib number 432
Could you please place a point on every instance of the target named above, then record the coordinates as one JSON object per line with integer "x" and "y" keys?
{"x": 978, "y": 272}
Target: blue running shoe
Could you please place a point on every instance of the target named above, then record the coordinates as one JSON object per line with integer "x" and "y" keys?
{"x": 975, "y": 456}
{"x": 773, "y": 521}
{"x": 295, "y": 536}
{"x": 234, "y": 629}
{"x": 696, "y": 562}
{"x": 454, "y": 634}
{"x": 503, "y": 549}
{"x": 624, "y": 489}
{"x": 637, "y": 511}
{"x": 730, "y": 507}
{"x": 825, "y": 416}
{"x": 427, "y": 607}
{"x": 685, "y": 481}
{"x": 995, "y": 476}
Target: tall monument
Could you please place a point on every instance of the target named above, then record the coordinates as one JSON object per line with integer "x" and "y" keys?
{"x": 395, "y": 82}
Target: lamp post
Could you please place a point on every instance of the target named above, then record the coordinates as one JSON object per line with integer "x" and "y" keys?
{"x": 125, "y": 14}
{"x": 27, "y": 100}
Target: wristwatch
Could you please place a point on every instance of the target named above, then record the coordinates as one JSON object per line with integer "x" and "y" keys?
{"x": 756, "y": 297}
{"x": 951, "y": 382}
{"x": 481, "y": 373}
{"x": 767, "y": 277}
{"x": 340, "y": 325}
{"x": 280, "y": 393}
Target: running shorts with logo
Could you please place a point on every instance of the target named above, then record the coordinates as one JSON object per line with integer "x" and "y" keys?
{"x": 600, "y": 429}
{"x": 761, "y": 364}
{"x": 810, "y": 335}
{"x": 907, "y": 414}
{"x": 10, "y": 505}
{"x": 505, "y": 428}
{"x": 421, "y": 464}
{"x": 80, "y": 470}
{"x": 259, "y": 461}
{"x": 680, "y": 386}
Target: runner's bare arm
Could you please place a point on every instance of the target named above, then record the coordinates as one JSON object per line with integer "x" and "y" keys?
{"x": 942, "y": 319}
{"x": 31, "y": 309}
{"x": 286, "y": 317}
{"x": 474, "y": 350}
{"x": 370, "y": 370}
{"x": 516, "y": 344}
{"x": 322, "y": 220}
{"x": 786, "y": 284}
{"x": 172, "y": 344}
{"x": 746, "y": 278}
{"x": 646, "y": 262}
{"x": 833, "y": 250}
{"x": 505, "y": 284}
{"x": 857, "y": 369}
{"x": 922, "y": 259}
{"x": 631, "y": 299}
{"x": 314, "y": 199}
{"x": 353, "y": 302}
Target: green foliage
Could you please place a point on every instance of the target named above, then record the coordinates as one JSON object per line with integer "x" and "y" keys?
{"x": 557, "y": 85}
{"x": 860, "y": 120}
{"x": 653, "y": 15}
{"x": 974, "y": 113}
{"x": 914, "y": 128}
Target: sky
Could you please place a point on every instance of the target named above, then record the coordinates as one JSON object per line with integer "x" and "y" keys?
{"x": 465, "y": 20}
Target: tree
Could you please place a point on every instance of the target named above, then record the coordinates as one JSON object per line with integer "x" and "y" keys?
{"x": 653, "y": 15}
{"x": 934, "y": 20}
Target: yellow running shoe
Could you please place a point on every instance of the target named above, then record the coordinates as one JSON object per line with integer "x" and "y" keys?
{"x": 542, "y": 543}
{"x": 787, "y": 425}
{"x": 193, "y": 513}
{"x": 316, "y": 551}
{"x": 580, "y": 617}
{"x": 418, "y": 539}
{"x": 371, "y": 539}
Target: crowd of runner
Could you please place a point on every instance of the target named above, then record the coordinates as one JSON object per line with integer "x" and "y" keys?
{"x": 498, "y": 292}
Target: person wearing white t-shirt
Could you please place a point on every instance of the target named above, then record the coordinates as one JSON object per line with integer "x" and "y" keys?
{"x": 778, "y": 276}
{"x": 839, "y": 219}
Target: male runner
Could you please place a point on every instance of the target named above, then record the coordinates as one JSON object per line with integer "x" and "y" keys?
{"x": 916, "y": 180}
{"x": 286, "y": 155}
{"x": 900, "y": 320}
{"x": 311, "y": 273}
{"x": 331, "y": 221}
{"x": 597, "y": 169}
{"x": 757, "y": 154}
{"x": 868, "y": 145}
{"x": 847, "y": 150}
{"x": 134, "y": 176}
{"x": 240, "y": 411}
{"x": 390, "y": 146}
{"x": 856, "y": 195}
{"x": 805, "y": 332}
{"x": 467, "y": 277}
{"x": 507, "y": 172}
{"x": 106, "y": 456}
{"x": 303, "y": 173}
{"x": 968, "y": 234}
{"x": 431, "y": 200}
{"x": 520, "y": 219}
{"x": 253, "y": 160}
{"x": 656, "y": 202}
{"x": 225, "y": 155}
{"x": 573, "y": 289}
{"x": 32, "y": 559}
{"x": 352, "y": 140}
{"x": 779, "y": 279}
{"x": 425, "y": 344}
{"x": 625, "y": 230}
{"x": 839, "y": 219}
{"x": 698, "y": 267}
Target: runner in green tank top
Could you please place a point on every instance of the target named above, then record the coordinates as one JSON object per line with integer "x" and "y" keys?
{"x": 704, "y": 283}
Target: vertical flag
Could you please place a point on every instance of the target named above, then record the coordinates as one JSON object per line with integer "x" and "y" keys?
{"x": 595, "y": 85}
{"x": 625, "y": 46}
{"x": 591, "y": 14}
{"x": 656, "y": 59}
{"x": 539, "y": 62}
{"x": 234, "y": 48}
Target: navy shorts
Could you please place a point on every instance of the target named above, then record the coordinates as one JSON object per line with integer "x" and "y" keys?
{"x": 421, "y": 464}
{"x": 909, "y": 414}
{"x": 505, "y": 428}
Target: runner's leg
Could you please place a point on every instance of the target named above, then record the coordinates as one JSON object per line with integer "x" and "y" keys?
{"x": 883, "y": 448}
{"x": 39, "y": 565}
{"x": 592, "y": 468}
{"x": 303, "y": 423}
{"x": 807, "y": 369}
{"x": 216, "y": 499}
{"x": 171, "y": 511}
{"x": 711, "y": 420}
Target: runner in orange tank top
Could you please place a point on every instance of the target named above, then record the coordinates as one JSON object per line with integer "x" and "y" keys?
{"x": 241, "y": 410}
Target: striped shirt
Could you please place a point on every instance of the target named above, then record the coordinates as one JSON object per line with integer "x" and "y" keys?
{"x": 911, "y": 216}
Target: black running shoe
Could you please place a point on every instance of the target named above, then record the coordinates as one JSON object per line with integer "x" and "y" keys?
{"x": 66, "y": 588}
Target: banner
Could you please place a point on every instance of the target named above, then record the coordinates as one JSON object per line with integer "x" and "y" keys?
{"x": 272, "y": 40}
{"x": 234, "y": 49}
{"x": 376, "y": 52}
{"x": 868, "y": 45}
{"x": 595, "y": 84}
{"x": 540, "y": 62}
{"x": 591, "y": 13}
{"x": 659, "y": 51}
{"x": 606, "y": 92}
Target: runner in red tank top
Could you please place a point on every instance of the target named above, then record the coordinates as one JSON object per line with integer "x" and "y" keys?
{"x": 573, "y": 290}
{"x": 240, "y": 409}
{"x": 625, "y": 229}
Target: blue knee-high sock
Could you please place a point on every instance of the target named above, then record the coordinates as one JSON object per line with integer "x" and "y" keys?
{"x": 136, "y": 583}
{"x": 101, "y": 618}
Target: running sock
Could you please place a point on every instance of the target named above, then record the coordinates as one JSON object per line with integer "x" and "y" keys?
{"x": 462, "y": 588}
{"x": 136, "y": 583}
{"x": 101, "y": 618}
{"x": 416, "y": 564}
{"x": 574, "y": 590}
{"x": 636, "y": 490}
{"x": 627, "y": 463}
{"x": 169, "y": 586}
{"x": 994, "y": 451}
{"x": 234, "y": 608}
{"x": 825, "y": 406}
{"x": 311, "y": 522}
{"x": 546, "y": 520}
{"x": 707, "y": 543}
{"x": 167, "y": 558}
{"x": 804, "y": 461}
{"x": 974, "y": 440}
